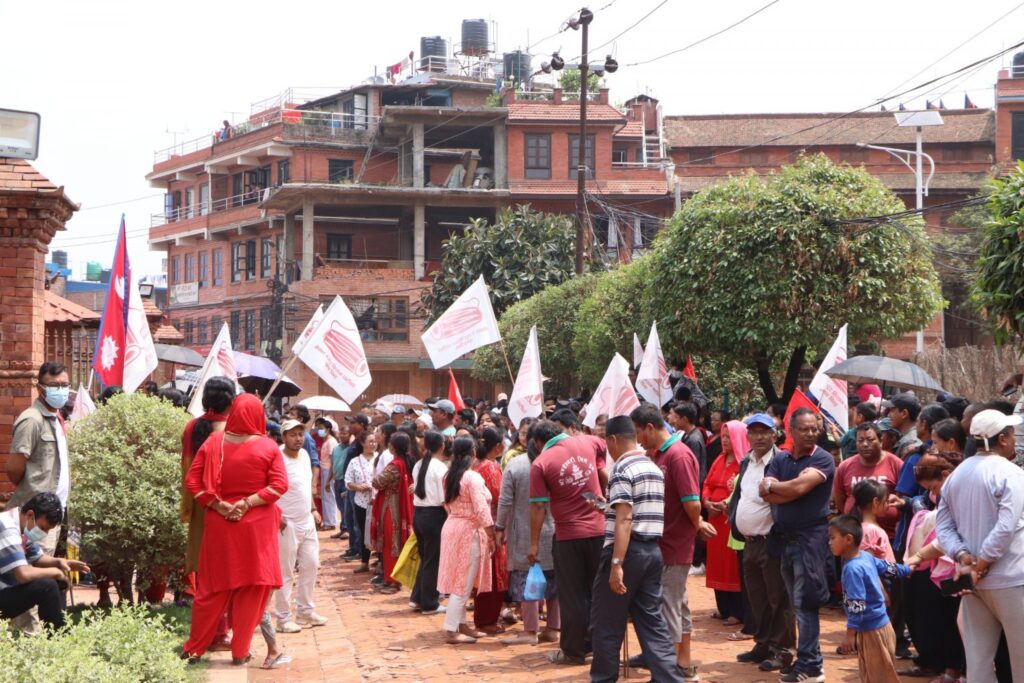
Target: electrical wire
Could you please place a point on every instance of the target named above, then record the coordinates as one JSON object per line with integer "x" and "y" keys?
{"x": 626, "y": 30}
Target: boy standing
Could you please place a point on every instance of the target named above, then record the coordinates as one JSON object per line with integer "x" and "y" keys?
{"x": 298, "y": 535}
{"x": 864, "y": 601}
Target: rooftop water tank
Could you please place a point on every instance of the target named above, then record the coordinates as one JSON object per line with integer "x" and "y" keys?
{"x": 60, "y": 257}
{"x": 474, "y": 37}
{"x": 433, "y": 53}
{"x": 93, "y": 271}
{"x": 1016, "y": 72}
{"x": 517, "y": 66}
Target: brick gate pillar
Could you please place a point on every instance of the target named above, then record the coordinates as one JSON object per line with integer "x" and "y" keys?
{"x": 32, "y": 210}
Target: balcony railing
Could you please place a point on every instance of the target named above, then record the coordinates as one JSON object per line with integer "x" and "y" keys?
{"x": 181, "y": 213}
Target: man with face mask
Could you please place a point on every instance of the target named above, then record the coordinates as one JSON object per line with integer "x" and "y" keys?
{"x": 29, "y": 577}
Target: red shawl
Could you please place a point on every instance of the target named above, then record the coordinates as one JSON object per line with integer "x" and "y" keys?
{"x": 246, "y": 419}
{"x": 188, "y": 454}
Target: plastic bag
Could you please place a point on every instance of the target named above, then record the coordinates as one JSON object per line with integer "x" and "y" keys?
{"x": 408, "y": 563}
{"x": 536, "y": 584}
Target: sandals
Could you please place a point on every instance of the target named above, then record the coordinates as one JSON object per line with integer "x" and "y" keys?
{"x": 731, "y": 621}
{"x": 737, "y": 636}
{"x": 844, "y": 652}
{"x": 274, "y": 662}
{"x": 717, "y": 615}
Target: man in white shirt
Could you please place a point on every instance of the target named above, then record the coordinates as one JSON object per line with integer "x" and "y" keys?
{"x": 298, "y": 540}
{"x": 751, "y": 518}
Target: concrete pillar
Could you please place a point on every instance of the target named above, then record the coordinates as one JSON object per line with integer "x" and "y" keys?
{"x": 419, "y": 240}
{"x": 417, "y": 155}
{"x": 307, "y": 240}
{"x": 287, "y": 255}
{"x": 500, "y": 157}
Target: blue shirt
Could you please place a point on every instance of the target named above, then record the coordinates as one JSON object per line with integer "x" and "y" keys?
{"x": 314, "y": 452}
{"x": 15, "y": 550}
{"x": 863, "y": 598}
{"x": 810, "y": 510}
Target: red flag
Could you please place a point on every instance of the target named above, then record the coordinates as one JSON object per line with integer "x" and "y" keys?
{"x": 798, "y": 401}
{"x": 688, "y": 371}
{"x": 454, "y": 395}
{"x": 111, "y": 339}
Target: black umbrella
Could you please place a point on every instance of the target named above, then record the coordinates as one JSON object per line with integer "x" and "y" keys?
{"x": 261, "y": 385}
{"x": 182, "y": 355}
{"x": 885, "y": 371}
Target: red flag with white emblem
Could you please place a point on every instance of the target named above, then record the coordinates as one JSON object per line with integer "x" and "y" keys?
{"x": 111, "y": 339}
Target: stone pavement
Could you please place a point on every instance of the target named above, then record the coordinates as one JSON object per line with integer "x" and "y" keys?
{"x": 374, "y": 637}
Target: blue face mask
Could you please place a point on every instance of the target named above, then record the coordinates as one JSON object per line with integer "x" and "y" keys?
{"x": 57, "y": 397}
{"x": 321, "y": 433}
{"x": 35, "y": 534}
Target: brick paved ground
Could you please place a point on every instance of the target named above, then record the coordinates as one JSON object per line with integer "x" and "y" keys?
{"x": 372, "y": 638}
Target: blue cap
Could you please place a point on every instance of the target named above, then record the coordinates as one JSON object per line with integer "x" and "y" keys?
{"x": 763, "y": 419}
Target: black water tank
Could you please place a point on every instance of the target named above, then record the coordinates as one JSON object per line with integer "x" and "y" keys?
{"x": 517, "y": 66}
{"x": 1018, "y": 65}
{"x": 60, "y": 257}
{"x": 433, "y": 46}
{"x": 474, "y": 37}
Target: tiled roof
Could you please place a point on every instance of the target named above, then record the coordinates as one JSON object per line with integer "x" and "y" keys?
{"x": 894, "y": 181}
{"x": 18, "y": 174}
{"x": 168, "y": 334}
{"x": 567, "y": 111}
{"x": 60, "y": 310}
{"x": 742, "y": 130}
{"x": 568, "y": 187}
{"x": 150, "y": 308}
{"x": 632, "y": 129}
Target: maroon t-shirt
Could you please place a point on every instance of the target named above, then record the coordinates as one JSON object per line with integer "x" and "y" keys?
{"x": 682, "y": 483}
{"x": 886, "y": 471}
{"x": 561, "y": 475}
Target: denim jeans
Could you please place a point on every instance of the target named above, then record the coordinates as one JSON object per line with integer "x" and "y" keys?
{"x": 808, "y": 649}
{"x": 340, "y": 494}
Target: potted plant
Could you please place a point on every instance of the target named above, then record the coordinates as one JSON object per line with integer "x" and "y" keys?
{"x": 125, "y": 488}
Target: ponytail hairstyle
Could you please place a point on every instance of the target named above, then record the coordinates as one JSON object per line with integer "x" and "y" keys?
{"x": 400, "y": 447}
{"x": 489, "y": 438}
{"x": 218, "y": 395}
{"x": 409, "y": 429}
{"x": 432, "y": 442}
{"x": 462, "y": 459}
{"x": 387, "y": 430}
{"x": 866, "y": 492}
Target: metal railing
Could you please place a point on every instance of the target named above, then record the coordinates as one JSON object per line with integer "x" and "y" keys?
{"x": 253, "y": 196}
{"x": 548, "y": 96}
{"x": 365, "y": 263}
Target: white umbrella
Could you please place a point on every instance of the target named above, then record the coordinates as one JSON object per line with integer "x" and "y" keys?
{"x": 327, "y": 404}
{"x": 403, "y": 399}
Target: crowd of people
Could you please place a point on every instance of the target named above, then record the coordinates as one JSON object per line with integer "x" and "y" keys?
{"x": 912, "y": 521}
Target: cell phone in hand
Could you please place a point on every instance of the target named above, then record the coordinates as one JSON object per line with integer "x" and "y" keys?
{"x": 1010, "y": 391}
{"x": 952, "y": 587}
{"x": 599, "y": 503}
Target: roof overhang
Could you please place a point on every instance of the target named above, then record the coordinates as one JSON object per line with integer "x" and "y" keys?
{"x": 248, "y": 158}
{"x": 290, "y": 197}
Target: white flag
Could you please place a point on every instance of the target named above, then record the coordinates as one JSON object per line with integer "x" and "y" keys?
{"x": 84, "y": 407}
{"x": 638, "y": 351}
{"x": 614, "y": 396}
{"x": 468, "y": 324}
{"x": 219, "y": 363}
{"x": 829, "y": 391}
{"x": 527, "y": 399}
{"x": 140, "y": 354}
{"x": 308, "y": 330}
{"x": 652, "y": 378}
{"x": 335, "y": 352}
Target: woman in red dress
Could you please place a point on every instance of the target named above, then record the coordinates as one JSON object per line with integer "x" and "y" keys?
{"x": 392, "y": 507}
{"x": 723, "y": 567}
{"x": 487, "y": 606}
{"x": 239, "y": 475}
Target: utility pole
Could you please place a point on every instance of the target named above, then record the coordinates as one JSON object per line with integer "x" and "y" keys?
{"x": 582, "y": 224}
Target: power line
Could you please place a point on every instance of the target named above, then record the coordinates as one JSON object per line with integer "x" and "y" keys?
{"x": 706, "y": 38}
{"x": 118, "y": 203}
{"x": 628, "y": 28}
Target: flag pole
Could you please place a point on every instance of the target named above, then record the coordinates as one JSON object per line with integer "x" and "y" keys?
{"x": 507, "y": 364}
{"x": 284, "y": 370}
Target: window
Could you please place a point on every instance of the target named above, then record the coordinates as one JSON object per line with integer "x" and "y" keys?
{"x": 853, "y": 156}
{"x": 381, "y": 318}
{"x": 620, "y": 154}
{"x": 215, "y": 324}
{"x": 265, "y": 260}
{"x": 284, "y": 169}
{"x": 339, "y": 247}
{"x": 1017, "y": 135}
{"x": 234, "y": 327}
{"x": 186, "y": 331}
{"x": 176, "y": 270}
{"x": 644, "y": 230}
{"x": 204, "y": 199}
{"x": 606, "y": 231}
{"x": 250, "y": 330}
{"x": 201, "y": 332}
{"x": 190, "y": 267}
{"x": 237, "y": 261}
{"x": 237, "y": 187}
{"x": 204, "y": 268}
{"x": 339, "y": 170}
{"x": 218, "y": 267}
{"x": 574, "y": 155}
{"x": 190, "y": 202}
{"x": 538, "y": 155}
{"x": 267, "y": 336}
{"x": 250, "y": 259}
{"x": 754, "y": 157}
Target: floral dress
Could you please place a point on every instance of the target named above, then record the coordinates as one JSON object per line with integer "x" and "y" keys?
{"x": 468, "y": 517}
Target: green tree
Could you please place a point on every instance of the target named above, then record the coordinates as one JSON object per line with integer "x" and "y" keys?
{"x": 763, "y": 269}
{"x": 554, "y": 311}
{"x": 998, "y": 290}
{"x": 523, "y": 252}
{"x": 569, "y": 81}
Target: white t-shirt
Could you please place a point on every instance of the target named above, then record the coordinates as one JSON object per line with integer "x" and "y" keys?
{"x": 297, "y": 501}
{"x": 434, "y": 484}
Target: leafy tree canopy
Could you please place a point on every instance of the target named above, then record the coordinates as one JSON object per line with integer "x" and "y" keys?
{"x": 998, "y": 291}
{"x": 569, "y": 81}
{"x": 554, "y": 311}
{"x": 523, "y": 252}
{"x": 761, "y": 269}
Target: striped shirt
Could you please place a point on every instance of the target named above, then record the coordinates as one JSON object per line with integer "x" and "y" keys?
{"x": 15, "y": 551}
{"x": 636, "y": 481}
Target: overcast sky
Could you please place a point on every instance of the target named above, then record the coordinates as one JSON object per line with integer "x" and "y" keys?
{"x": 114, "y": 81}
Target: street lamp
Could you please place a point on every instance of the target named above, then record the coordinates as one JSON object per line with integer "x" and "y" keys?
{"x": 916, "y": 120}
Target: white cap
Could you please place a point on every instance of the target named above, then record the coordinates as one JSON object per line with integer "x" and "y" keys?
{"x": 990, "y": 423}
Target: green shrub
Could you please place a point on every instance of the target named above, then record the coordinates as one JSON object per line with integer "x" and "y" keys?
{"x": 125, "y": 474}
{"x": 128, "y": 646}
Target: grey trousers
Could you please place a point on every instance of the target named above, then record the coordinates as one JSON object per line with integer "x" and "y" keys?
{"x": 984, "y": 615}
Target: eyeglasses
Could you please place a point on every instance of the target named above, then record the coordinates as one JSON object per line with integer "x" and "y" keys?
{"x": 55, "y": 386}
